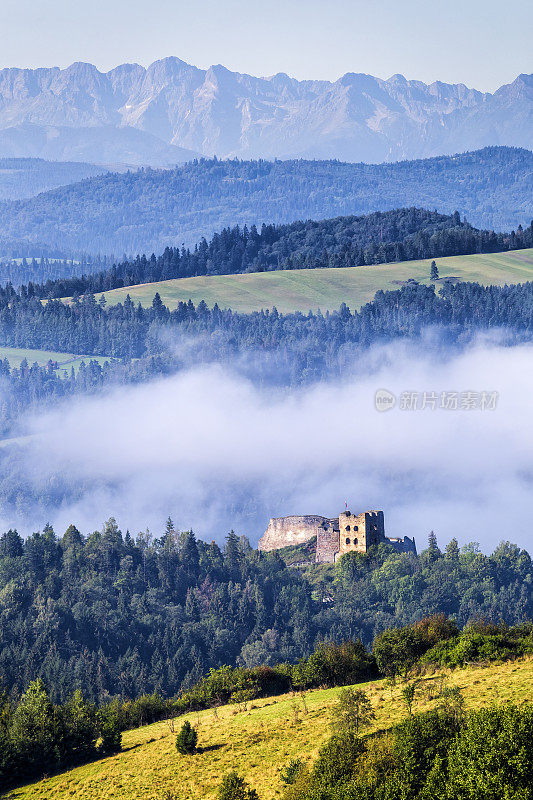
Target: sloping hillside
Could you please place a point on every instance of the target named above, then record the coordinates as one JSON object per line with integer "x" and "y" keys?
{"x": 311, "y": 289}
{"x": 258, "y": 742}
{"x": 102, "y": 144}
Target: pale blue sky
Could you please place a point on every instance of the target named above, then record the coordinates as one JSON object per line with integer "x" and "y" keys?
{"x": 482, "y": 43}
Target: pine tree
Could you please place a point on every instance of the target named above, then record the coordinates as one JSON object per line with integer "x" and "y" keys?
{"x": 189, "y": 555}
{"x": 35, "y": 729}
{"x": 110, "y": 732}
{"x": 232, "y": 556}
{"x": 169, "y": 527}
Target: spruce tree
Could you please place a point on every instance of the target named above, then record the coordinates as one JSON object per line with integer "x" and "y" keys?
{"x": 232, "y": 556}
{"x": 186, "y": 739}
{"x": 452, "y": 551}
{"x": 433, "y": 552}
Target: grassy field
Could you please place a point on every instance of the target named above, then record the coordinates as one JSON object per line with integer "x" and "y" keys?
{"x": 257, "y": 742}
{"x": 16, "y": 355}
{"x": 305, "y": 289}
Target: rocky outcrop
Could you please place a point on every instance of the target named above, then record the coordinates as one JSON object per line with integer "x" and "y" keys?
{"x": 288, "y": 531}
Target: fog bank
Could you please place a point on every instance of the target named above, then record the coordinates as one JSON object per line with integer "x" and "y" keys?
{"x": 214, "y": 452}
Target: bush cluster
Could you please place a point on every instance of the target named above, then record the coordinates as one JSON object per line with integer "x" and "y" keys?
{"x": 482, "y": 641}
{"x": 431, "y": 756}
{"x": 329, "y": 665}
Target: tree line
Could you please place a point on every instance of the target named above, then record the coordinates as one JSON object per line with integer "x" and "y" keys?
{"x": 18, "y": 269}
{"x": 400, "y": 235}
{"x": 288, "y": 349}
{"x": 90, "y": 327}
{"x": 38, "y": 737}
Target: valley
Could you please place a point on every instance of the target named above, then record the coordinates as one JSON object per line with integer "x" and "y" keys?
{"x": 266, "y": 336}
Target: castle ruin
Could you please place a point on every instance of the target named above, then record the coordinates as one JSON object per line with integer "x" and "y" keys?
{"x": 347, "y": 533}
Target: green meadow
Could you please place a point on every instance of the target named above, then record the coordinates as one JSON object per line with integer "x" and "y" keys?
{"x": 16, "y": 355}
{"x": 258, "y": 740}
{"x": 325, "y": 289}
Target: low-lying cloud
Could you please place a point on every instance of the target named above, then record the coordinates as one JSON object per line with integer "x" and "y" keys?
{"x": 215, "y": 452}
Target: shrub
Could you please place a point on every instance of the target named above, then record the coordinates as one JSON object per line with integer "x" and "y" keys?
{"x": 436, "y": 628}
{"x": 408, "y": 696}
{"x": 475, "y": 645}
{"x": 398, "y": 649}
{"x": 335, "y": 665}
{"x": 233, "y": 787}
{"x": 292, "y": 770}
{"x": 336, "y": 760}
{"x": 419, "y": 742}
{"x": 186, "y": 739}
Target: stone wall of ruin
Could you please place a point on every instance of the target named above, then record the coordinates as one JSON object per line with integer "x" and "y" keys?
{"x": 327, "y": 544}
{"x": 344, "y": 534}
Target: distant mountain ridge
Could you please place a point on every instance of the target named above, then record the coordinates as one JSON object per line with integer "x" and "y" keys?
{"x": 25, "y": 177}
{"x": 144, "y": 211}
{"x": 169, "y": 111}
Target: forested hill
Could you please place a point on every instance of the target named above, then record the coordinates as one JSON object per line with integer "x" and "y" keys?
{"x": 148, "y": 210}
{"x": 123, "y": 616}
{"x": 400, "y": 235}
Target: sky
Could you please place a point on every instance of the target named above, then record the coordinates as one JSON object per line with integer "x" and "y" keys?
{"x": 482, "y": 43}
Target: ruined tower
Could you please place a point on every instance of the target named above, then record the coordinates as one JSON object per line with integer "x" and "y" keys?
{"x": 359, "y": 533}
{"x": 334, "y": 537}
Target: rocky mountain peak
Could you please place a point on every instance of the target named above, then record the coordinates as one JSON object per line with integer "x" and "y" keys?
{"x": 217, "y": 111}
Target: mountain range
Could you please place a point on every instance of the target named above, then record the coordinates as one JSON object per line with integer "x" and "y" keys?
{"x": 171, "y": 111}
